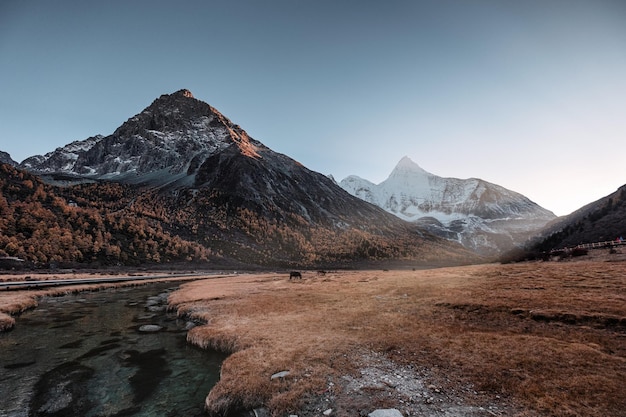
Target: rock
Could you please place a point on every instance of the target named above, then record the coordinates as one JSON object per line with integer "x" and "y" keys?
{"x": 261, "y": 412}
{"x": 389, "y": 412}
{"x": 154, "y": 301}
{"x": 280, "y": 374}
{"x": 150, "y": 328}
{"x": 328, "y": 412}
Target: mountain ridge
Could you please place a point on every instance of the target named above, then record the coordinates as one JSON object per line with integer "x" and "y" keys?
{"x": 193, "y": 173}
{"x": 173, "y": 133}
{"x": 482, "y": 216}
{"x": 598, "y": 221}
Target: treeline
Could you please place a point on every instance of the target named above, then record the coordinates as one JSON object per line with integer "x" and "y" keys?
{"x": 287, "y": 239}
{"x": 108, "y": 223}
{"x": 86, "y": 224}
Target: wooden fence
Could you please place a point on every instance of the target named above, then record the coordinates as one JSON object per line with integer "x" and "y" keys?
{"x": 605, "y": 244}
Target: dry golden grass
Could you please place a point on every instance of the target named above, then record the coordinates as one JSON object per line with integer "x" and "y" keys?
{"x": 6, "y": 322}
{"x": 549, "y": 338}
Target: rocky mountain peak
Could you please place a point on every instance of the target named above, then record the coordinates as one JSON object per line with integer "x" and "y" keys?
{"x": 173, "y": 136}
{"x": 185, "y": 93}
{"x": 5, "y": 158}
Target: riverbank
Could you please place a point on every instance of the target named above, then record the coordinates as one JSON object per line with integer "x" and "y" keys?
{"x": 115, "y": 352}
{"x": 534, "y": 339}
{"x": 14, "y": 302}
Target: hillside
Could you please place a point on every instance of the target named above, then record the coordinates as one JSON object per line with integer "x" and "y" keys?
{"x": 108, "y": 223}
{"x": 82, "y": 225}
{"x": 187, "y": 172}
{"x": 602, "y": 220}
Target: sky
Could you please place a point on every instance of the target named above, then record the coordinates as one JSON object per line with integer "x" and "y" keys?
{"x": 529, "y": 95}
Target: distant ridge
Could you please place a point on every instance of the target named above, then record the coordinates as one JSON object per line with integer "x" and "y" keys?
{"x": 5, "y": 158}
{"x": 482, "y": 216}
{"x": 601, "y": 220}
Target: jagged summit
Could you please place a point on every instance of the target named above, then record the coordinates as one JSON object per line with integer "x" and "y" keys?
{"x": 185, "y": 93}
{"x": 407, "y": 166}
{"x": 5, "y": 158}
{"x": 483, "y": 216}
{"x": 171, "y": 137}
{"x": 408, "y": 174}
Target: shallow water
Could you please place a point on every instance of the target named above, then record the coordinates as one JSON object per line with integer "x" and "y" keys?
{"x": 108, "y": 353}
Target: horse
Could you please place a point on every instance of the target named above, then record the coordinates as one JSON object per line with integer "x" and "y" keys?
{"x": 295, "y": 275}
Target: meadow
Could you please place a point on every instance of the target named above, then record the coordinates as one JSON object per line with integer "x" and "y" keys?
{"x": 526, "y": 339}
{"x": 529, "y": 339}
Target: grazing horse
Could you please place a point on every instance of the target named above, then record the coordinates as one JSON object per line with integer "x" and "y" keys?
{"x": 295, "y": 275}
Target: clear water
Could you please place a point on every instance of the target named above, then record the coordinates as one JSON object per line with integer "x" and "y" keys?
{"x": 88, "y": 355}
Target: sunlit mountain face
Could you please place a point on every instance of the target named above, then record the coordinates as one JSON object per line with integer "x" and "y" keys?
{"x": 190, "y": 172}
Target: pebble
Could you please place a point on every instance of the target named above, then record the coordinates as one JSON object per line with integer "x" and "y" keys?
{"x": 388, "y": 412}
{"x": 150, "y": 328}
{"x": 280, "y": 374}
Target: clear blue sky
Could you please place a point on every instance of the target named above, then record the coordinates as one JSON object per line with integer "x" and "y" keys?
{"x": 530, "y": 95}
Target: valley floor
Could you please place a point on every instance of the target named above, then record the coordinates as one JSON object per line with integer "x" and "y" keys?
{"x": 533, "y": 339}
{"x": 528, "y": 339}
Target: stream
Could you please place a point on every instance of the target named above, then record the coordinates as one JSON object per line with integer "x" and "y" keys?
{"x": 115, "y": 352}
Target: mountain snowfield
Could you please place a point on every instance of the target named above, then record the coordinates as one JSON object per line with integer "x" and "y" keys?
{"x": 482, "y": 216}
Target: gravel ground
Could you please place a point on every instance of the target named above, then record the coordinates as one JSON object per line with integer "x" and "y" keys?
{"x": 383, "y": 384}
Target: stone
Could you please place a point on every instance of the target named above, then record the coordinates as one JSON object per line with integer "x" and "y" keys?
{"x": 388, "y": 412}
{"x": 280, "y": 374}
{"x": 150, "y": 328}
{"x": 328, "y": 412}
{"x": 261, "y": 412}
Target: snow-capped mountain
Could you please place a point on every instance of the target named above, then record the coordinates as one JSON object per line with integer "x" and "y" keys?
{"x": 202, "y": 176}
{"x": 482, "y": 216}
{"x": 165, "y": 142}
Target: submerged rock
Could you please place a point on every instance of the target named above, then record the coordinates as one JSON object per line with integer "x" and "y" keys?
{"x": 62, "y": 391}
{"x": 148, "y": 328}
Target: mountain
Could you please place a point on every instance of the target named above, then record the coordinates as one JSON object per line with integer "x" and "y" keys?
{"x": 166, "y": 142}
{"x": 5, "y": 158}
{"x": 482, "y": 216}
{"x": 600, "y": 221}
{"x": 188, "y": 170}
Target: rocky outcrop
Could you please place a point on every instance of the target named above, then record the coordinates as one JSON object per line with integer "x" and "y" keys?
{"x": 5, "y": 158}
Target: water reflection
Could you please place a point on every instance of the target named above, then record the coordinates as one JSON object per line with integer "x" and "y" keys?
{"x": 109, "y": 353}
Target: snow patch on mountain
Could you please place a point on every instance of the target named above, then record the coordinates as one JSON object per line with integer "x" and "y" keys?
{"x": 172, "y": 136}
{"x": 483, "y": 216}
